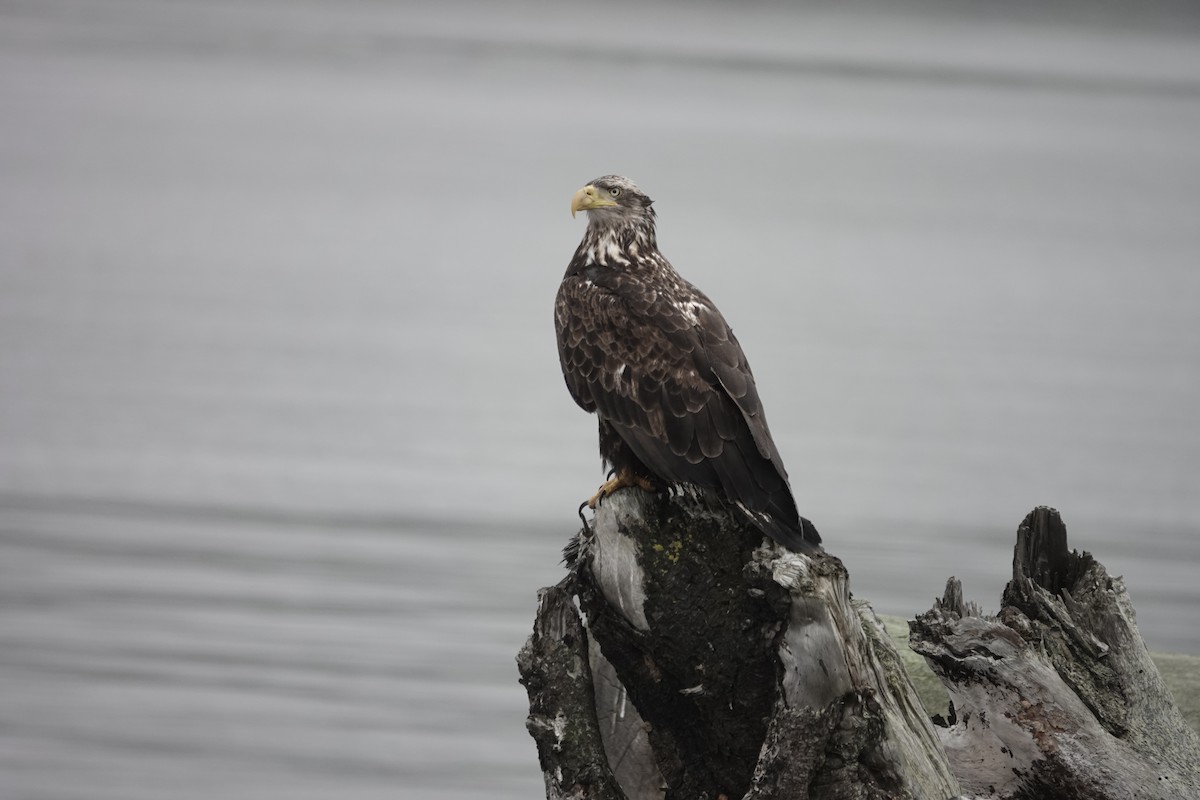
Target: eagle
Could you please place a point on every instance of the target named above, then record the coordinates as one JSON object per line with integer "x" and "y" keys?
{"x": 654, "y": 359}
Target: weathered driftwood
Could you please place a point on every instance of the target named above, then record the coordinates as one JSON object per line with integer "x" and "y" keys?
{"x": 717, "y": 665}
{"x": 754, "y": 671}
{"x": 1056, "y": 696}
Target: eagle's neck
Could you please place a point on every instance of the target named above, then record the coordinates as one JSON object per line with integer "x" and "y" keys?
{"x": 618, "y": 242}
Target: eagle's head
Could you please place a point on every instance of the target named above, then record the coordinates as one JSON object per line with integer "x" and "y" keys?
{"x": 613, "y": 201}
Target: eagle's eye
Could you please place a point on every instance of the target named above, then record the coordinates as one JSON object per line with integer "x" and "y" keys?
{"x": 615, "y": 192}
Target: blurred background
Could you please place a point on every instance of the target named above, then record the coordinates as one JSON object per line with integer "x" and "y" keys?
{"x": 285, "y": 451}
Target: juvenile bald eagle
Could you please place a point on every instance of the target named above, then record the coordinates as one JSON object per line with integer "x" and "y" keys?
{"x": 652, "y": 356}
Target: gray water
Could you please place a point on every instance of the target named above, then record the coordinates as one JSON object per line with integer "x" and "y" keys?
{"x": 284, "y": 448}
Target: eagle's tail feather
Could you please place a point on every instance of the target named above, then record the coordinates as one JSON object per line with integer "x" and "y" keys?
{"x": 801, "y": 536}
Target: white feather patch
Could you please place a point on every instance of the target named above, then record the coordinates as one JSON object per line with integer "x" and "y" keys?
{"x": 692, "y": 309}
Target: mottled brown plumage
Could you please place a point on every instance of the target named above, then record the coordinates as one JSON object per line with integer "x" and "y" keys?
{"x": 653, "y": 358}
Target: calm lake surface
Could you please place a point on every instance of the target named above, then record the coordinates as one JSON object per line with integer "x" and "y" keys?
{"x": 284, "y": 448}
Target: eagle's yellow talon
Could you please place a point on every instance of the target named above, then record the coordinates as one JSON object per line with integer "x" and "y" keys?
{"x": 622, "y": 479}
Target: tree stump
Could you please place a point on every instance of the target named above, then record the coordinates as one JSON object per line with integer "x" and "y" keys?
{"x": 715, "y": 664}
{"x": 752, "y": 671}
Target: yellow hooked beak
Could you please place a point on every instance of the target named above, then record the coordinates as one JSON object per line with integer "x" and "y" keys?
{"x": 590, "y": 197}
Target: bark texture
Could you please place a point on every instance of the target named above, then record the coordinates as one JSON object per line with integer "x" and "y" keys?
{"x": 562, "y": 708}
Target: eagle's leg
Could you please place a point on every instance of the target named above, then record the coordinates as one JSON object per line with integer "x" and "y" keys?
{"x": 624, "y": 477}
{"x": 628, "y": 470}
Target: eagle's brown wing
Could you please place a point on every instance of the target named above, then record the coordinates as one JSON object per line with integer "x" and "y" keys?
{"x": 660, "y": 364}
